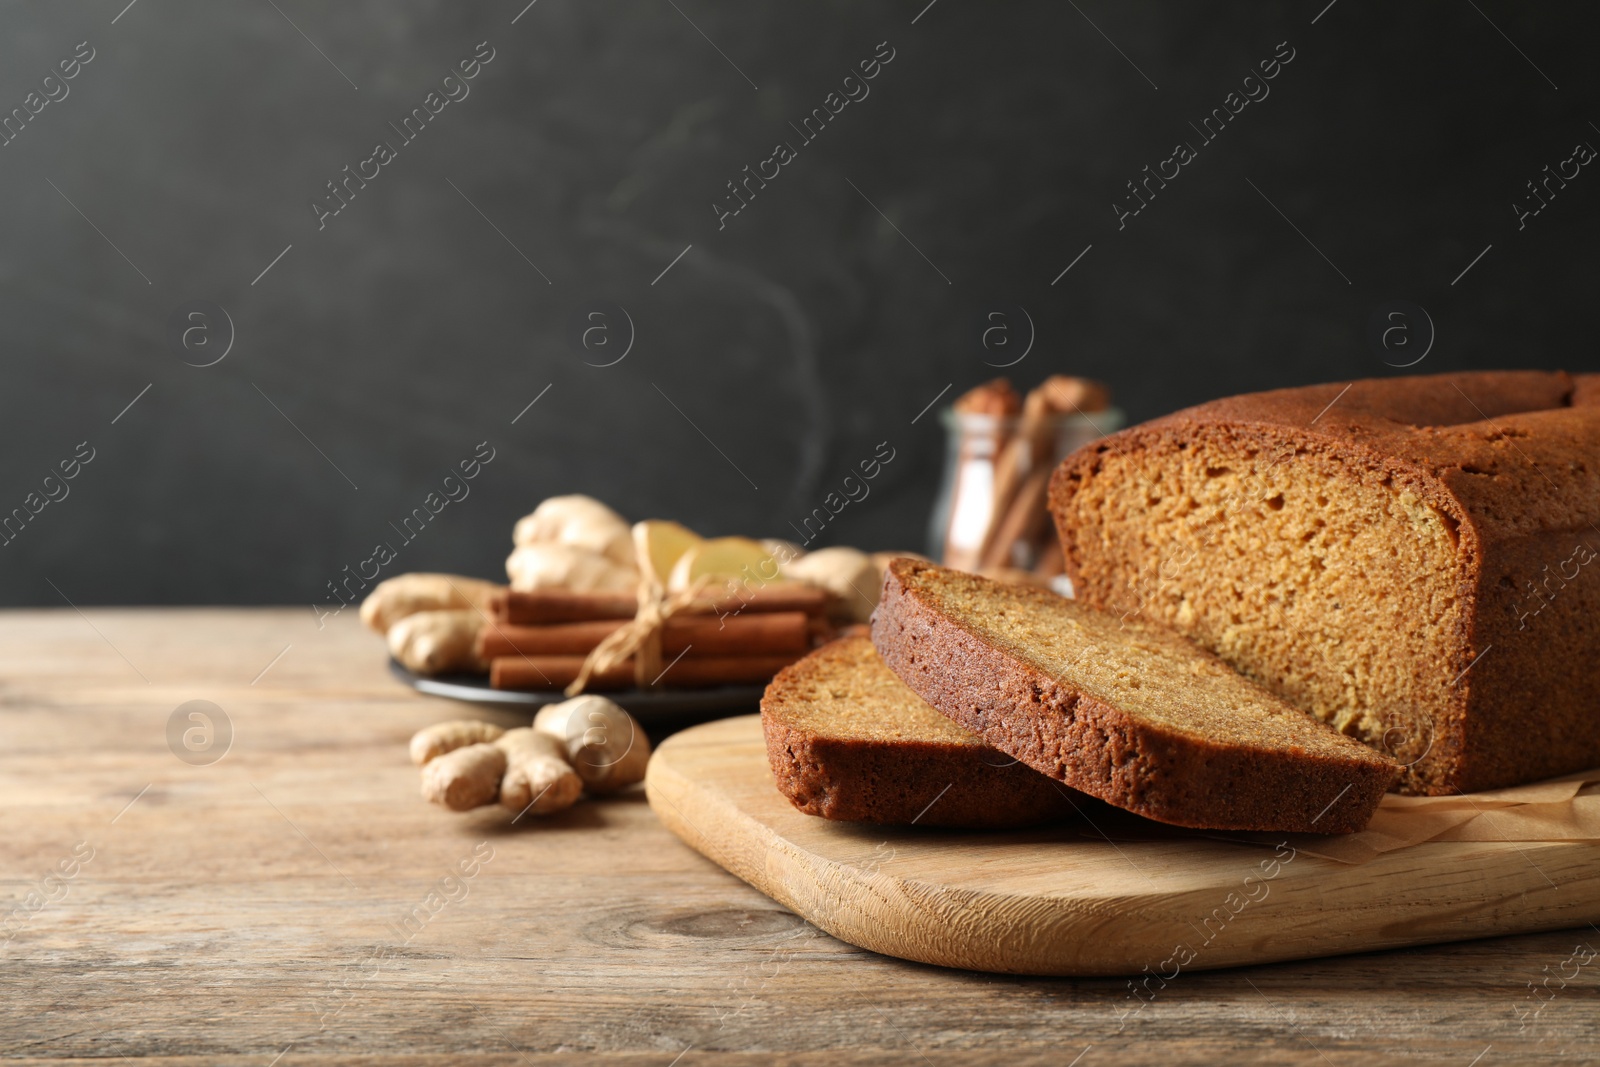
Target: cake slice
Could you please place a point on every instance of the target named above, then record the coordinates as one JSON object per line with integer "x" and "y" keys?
{"x": 1131, "y": 713}
{"x": 847, "y": 740}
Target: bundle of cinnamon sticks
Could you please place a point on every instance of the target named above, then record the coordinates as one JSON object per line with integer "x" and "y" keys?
{"x": 540, "y": 639}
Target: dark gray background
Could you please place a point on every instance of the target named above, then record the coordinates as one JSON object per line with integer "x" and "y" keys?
{"x": 798, "y": 337}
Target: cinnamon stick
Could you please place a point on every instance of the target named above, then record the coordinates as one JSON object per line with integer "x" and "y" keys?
{"x": 1030, "y": 451}
{"x": 1023, "y": 455}
{"x": 545, "y": 606}
{"x": 997, "y": 401}
{"x": 1021, "y": 521}
{"x": 997, "y": 397}
{"x": 557, "y": 672}
{"x": 559, "y": 605}
{"x": 699, "y": 635}
{"x": 1079, "y": 396}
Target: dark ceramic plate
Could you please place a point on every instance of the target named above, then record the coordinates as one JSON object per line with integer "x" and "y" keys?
{"x": 641, "y": 704}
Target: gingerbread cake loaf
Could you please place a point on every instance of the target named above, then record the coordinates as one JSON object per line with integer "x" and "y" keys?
{"x": 1130, "y": 712}
{"x": 1410, "y": 559}
{"x": 847, "y": 740}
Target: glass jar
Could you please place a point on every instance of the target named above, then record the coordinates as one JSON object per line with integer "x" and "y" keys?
{"x": 990, "y": 509}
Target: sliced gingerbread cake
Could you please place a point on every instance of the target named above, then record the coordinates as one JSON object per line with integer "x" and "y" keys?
{"x": 1411, "y": 559}
{"x": 847, "y": 740}
{"x": 1133, "y": 713}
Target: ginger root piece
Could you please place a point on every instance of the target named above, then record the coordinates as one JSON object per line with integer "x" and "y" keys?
{"x": 433, "y": 741}
{"x": 723, "y": 557}
{"x": 578, "y": 522}
{"x": 553, "y": 566}
{"x": 604, "y": 744}
{"x": 538, "y": 778}
{"x": 850, "y": 575}
{"x": 406, "y": 594}
{"x": 438, "y": 642}
{"x": 785, "y": 552}
{"x": 464, "y": 779}
{"x": 658, "y": 544}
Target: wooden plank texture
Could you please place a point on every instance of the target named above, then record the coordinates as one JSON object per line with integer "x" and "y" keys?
{"x": 1103, "y": 895}
{"x": 257, "y": 908}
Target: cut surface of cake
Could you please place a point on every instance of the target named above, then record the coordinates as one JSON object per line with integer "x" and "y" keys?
{"x": 847, "y": 740}
{"x": 1130, "y": 712}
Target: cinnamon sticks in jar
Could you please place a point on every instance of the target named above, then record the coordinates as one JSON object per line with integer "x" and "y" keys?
{"x": 1004, "y": 452}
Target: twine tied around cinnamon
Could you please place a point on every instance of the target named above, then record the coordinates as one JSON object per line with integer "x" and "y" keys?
{"x": 640, "y": 638}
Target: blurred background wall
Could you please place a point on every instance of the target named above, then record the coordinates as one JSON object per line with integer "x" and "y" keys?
{"x": 584, "y": 168}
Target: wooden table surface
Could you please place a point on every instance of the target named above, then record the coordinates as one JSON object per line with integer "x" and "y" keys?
{"x": 295, "y": 902}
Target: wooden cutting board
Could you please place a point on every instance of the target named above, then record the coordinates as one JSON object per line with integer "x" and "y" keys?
{"x": 1106, "y": 896}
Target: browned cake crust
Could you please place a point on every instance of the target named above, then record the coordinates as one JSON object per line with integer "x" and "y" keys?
{"x": 1412, "y": 559}
{"x": 976, "y": 650}
{"x": 847, "y": 740}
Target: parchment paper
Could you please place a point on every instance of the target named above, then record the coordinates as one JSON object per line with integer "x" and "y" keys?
{"x": 1558, "y": 809}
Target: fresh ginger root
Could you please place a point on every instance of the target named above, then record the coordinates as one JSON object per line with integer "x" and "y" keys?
{"x": 465, "y": 778}
{"x": 433, "y": 741}
{"x": 604, "y": 744}
{"x": 406, "y": 594}
{"x": 438, "y": 642}
{"x": 587, "y": 744}
{"x": 555, "y": 566}
{"x": 853, "y": 578}
{"x": 580, "y": 522}
{"x": 538, "y": 778}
